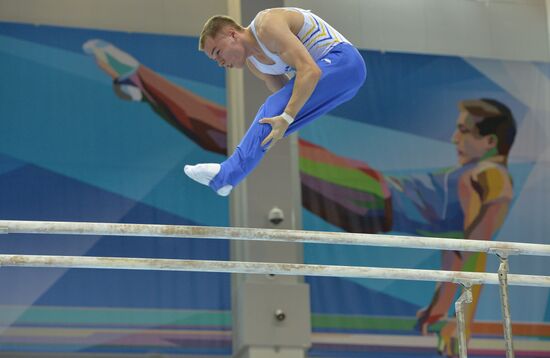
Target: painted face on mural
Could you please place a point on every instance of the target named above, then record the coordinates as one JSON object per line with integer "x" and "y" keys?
{"x": 226, "y": 49}
{"x": 470, "y": 145}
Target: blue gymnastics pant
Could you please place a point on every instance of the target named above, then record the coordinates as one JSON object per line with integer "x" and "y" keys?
{"x": 343, "y": 73}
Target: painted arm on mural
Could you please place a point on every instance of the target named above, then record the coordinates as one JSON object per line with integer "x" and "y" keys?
{"x": 342, "y": 200}
{"x": 485, "y": 199}
{"x": 346, "y": 193}
{"x": 201, "y": 120}
{"x": 353, "y": 196}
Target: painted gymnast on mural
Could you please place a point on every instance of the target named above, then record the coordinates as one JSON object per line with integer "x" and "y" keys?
{"x": 469, "y": 200}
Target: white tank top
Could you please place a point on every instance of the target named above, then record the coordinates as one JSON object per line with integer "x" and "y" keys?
{"x": 316, "y": 35}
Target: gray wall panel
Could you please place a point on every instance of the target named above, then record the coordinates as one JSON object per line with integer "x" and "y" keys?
{"x": 503, "y": 29}
{"x": 179, "y": 17}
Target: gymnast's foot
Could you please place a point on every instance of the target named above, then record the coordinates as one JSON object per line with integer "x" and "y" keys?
{"x": 204, "y": 173}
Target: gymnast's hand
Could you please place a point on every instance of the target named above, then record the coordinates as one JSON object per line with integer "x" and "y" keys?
{"x": 278, "y": 129}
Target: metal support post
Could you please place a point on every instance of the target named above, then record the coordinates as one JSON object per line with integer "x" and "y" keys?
{"x": 465, "y": 298}
{"x": 506, "y": 318}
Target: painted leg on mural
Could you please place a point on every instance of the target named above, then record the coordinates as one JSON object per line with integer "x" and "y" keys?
{"x": 443, "y": 296}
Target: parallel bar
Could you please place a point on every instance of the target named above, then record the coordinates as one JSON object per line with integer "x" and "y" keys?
{"x": 209, "y": 232}
{"x": 267, "y": 268}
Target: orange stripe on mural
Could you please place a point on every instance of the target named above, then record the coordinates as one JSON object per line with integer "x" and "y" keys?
{"x": 518, "y": 329}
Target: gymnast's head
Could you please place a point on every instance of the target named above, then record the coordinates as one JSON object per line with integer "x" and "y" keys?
{"x": 223, "y": 40}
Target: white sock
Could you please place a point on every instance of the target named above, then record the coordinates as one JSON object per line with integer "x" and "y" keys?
{"x": 204, "y": 173}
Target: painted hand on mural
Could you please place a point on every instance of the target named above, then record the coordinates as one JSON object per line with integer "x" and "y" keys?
{"x": 117, "y": 63}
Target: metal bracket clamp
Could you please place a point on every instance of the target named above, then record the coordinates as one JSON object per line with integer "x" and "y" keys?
{"x": 501, "y": 253}
{"x": 467, "y": 285}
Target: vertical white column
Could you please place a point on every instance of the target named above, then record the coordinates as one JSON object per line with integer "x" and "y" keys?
{"x": 236, "y": 125}
{"x": 548, "y": 24}
{"x": 271, "y": 314}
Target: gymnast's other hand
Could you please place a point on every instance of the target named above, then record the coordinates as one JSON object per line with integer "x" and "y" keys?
{"x": 278, "y": 128}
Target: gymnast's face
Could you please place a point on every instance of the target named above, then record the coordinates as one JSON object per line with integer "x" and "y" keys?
{"x": 470, "y": 145}
{"x": 226, "y": 48}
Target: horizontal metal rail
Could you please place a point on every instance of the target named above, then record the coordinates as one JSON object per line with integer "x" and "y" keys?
{"x": 296, "y": 236}
{"x": 266, "y": 268}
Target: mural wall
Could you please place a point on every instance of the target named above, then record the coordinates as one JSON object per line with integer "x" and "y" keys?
{"x": 96, "y": 132}
{"x": 97, "y": 125}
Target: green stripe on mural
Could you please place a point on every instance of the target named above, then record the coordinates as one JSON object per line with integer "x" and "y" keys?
{"x": 349, "y": 178}
{"x": 114, "y": 316}
{"x": 363, "y": 322}
{"x": 445, "y": 235}
{"x": 377, "y": 203}
{"x": 99, "y": 318}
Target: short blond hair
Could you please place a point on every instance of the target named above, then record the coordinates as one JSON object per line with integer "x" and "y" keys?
{"x": 214, "y": 25}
